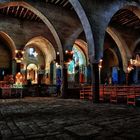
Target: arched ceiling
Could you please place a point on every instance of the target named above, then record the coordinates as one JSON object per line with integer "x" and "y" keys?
{"x": 125, "y": 18}
{"x": 19, "y": 12}
{"x": 67, "y": 25}
{"x": 44, "y": 46}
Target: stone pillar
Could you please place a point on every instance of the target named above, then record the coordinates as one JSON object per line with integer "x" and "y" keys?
{"x": 54, "y": 73}
{"x": 68, "y": 54}
{"x": 95, "y": 82}
{"x": 88, "y": 74}
{"x": 64, "y": 86}
{"x": 51, "y": 72}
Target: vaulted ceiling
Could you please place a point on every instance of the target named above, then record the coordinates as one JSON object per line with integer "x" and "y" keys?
{"x": 67, "y": 24}
{"x": 19, "y": 12}
{"x": 123, "y": 17}
{"x": 24, "y": 13}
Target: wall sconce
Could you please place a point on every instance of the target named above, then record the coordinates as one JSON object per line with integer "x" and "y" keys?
{"x": 66, "y": 51}
{"x": 100, "y": 67}
{"x": 57, "y": 53}
{"x": 100, "y": 64}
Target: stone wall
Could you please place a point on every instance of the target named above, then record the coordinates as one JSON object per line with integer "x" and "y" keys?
{"x": 22, "y": 31}
{"x": 5, "y": 56}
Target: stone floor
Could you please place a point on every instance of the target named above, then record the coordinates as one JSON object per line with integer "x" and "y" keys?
{"x": 67, "y": 119}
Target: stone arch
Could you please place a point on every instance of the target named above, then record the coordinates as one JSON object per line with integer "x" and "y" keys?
{"x": 32, "y": 68}
{"x": 43, "y": 18}
{"x": 77, "y": 66}
{"x": 110, "y": 61}
{"x": 43, "y": 44}
{"x": 10, "y": 43}
{"x": 123, "y": 48}
{"x": 83, "y": 45}
{"x": 120, "y": 42}
{"x": 87, "y": 28}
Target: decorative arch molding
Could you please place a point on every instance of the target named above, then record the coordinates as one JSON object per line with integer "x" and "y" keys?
{"x": 34, "y": 64}
{"x": 87, "y": 28}
{"x": 43, "y": 18}
{"x": 123, "y": 48}
{"x": 10, "y": 43}
{"x": 45, "y": 46}
{"x": 83, "y": 45}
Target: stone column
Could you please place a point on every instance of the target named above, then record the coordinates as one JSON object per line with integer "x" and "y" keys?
{"x": 68, "y": 54}
{"x": 51, "y": 72}
{"x": 95, "y": 82}
{"x": 54, "y": 73}
{"x": 64, "y": 86}
{"x": 89, "y": 78}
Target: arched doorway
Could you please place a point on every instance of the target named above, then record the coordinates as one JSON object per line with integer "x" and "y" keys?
{"x": 33, "y": 63}
{"x": 32, "y": 73}
{"x": 5, "y": 61}
{"x": 77, "y": 67}
{"x": 40, "y": 51}
{"x": 123, "y": 31}
{"x": 112, "y": 66}
{"x": 7, "y": 49}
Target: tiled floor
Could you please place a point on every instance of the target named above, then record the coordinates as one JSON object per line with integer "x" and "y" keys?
{"x": 67, "y": 119}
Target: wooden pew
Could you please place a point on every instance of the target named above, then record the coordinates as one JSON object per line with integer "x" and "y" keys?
{"x": 113, "y": 94}
{"x": 86, "y": 93}
{"x": 107, "y": 93}
{"x": 133, "y": 94}
{"x": 121, "y": 93}
{"x": 101, "y": 98}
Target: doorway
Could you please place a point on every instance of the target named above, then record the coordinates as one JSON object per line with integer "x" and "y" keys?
{"x": 32, "y": 73}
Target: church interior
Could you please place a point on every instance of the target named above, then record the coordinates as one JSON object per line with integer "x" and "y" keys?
{"x": 43, "y": 40}
{"x": 69, "y": 69}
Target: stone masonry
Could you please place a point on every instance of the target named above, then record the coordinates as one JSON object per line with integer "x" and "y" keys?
{"x": 67, "y": 119}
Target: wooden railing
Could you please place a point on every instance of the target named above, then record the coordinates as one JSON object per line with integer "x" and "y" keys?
{"x": 113, "y": 94}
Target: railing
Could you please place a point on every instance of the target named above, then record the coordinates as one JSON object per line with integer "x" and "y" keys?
{"x": 113, "y": 94}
